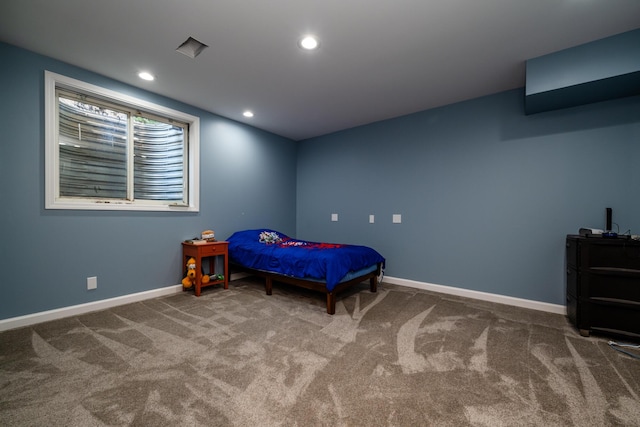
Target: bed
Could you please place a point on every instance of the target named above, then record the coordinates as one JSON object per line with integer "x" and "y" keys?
{"x": 325, "y": 267}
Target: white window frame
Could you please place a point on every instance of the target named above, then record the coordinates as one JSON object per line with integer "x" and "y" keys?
{"x": 52, "y": 157}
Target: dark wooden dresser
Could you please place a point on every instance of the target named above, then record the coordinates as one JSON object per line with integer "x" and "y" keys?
{"x": 603, "y": 285}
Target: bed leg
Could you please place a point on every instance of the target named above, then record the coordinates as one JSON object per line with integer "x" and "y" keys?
{"x": 373, "y": 284}
{"x": 268, "y": 285}
{"x": 331, "y": 303}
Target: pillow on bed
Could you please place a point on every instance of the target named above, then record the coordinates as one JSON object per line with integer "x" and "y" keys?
{"x": 269, "y": 237}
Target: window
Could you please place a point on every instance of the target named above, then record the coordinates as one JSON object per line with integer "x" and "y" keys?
{"x": 109, "y": 151}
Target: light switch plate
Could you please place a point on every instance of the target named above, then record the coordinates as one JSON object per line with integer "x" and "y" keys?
{"x": 334, "y": 217}
{"x": 372, "y": 219}
{"x": 397, "y": 218}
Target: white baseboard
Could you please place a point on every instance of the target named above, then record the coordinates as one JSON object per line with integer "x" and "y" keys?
{"x": 75, "y": 310}
{"x": 484, "y": 296}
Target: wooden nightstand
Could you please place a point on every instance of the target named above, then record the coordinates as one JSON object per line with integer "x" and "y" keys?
{"x": 207, "y": 250}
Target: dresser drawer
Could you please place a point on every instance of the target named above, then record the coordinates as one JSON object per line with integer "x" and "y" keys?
{"x": 611, "y": 283}
{"x": 623, "y": 254}
{"x": 211, "y": 250}
{"x": 616, "y": 318}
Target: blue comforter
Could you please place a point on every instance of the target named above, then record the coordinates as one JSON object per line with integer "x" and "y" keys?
{"x": 272, "y": 251}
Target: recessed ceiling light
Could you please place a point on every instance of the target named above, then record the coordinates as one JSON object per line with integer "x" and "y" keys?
{"x": 248, "y": 113}
{"x": 146, "y": 76}
{"x": 309, "y": 43}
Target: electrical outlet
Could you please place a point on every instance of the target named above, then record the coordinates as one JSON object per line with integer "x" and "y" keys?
{"x": 372, "y": 219}
{"x": 92, "y": 283}
{"x": 397, "y": 218}
{"x": 334, "y": 217}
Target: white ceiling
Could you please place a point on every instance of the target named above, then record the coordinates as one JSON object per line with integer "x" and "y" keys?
{"x": 378, "y": 58}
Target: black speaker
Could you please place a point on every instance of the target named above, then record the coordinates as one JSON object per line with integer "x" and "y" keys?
{"x": 608, "y": 228}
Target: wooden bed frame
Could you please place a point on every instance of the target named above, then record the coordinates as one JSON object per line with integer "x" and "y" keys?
{"x": 314, "y": 285}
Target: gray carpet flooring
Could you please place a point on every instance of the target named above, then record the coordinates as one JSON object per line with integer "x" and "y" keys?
{"x": 237, "y": 357}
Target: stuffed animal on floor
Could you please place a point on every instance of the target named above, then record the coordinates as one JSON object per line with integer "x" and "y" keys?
{"x": 190, "y": 277}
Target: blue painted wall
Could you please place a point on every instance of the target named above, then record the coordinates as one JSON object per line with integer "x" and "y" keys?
{"x": 599, "y": 60}
{"x": 487, "y": 194}
{"x": 604, "y": 69}
{"x": 48, "y": 254}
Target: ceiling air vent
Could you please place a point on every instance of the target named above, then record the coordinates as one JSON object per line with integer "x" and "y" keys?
{"x": 192, "y": 47}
